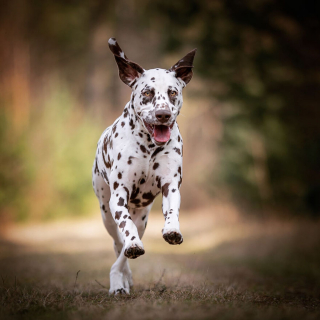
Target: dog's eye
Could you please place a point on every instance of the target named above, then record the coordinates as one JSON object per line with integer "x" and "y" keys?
{"x": 173, "y": 93}
{"x": 147, "y": 93}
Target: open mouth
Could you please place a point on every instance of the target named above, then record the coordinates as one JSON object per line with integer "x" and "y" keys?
{"x": 160, "y": 133}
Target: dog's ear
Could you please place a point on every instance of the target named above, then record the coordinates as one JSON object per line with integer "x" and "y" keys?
{"x": 128, "y": 70}
{"x": 183, "y": 68}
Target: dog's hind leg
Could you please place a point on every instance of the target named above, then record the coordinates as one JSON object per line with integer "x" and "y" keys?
{"x": 120, "y": 275}
{"x": 118, "y": 278}
{"x": 140, "y": 218}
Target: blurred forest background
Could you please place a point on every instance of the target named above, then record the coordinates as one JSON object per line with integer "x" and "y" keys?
{"x": 250, "y": 119}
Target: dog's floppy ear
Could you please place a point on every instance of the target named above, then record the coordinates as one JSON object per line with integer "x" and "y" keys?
{"x": 183, "y": 68}
{"x": 128, "y": 70}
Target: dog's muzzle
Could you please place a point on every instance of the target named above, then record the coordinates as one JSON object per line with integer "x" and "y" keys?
{"x": 160, "y": 133}
{"x": 163, "y": 116}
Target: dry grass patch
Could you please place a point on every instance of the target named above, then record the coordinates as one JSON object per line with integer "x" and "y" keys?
{"x": 249, "y": 270}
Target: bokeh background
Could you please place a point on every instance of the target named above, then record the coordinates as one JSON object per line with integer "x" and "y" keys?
{"x": 250, "y": 120}
{"x": 251, "y": 188}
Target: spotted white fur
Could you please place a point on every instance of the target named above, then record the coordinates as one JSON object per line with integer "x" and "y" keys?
{"x": 132, "y": 166}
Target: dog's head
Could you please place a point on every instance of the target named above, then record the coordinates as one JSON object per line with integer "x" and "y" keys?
{"x": 157, "y": 93}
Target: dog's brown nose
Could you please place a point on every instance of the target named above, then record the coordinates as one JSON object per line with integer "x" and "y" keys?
{"x": 163, "y": 115}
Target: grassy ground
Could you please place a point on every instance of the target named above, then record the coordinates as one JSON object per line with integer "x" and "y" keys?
{"x": 227, "y": 268}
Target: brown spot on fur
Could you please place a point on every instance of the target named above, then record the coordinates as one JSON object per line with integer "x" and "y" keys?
{"x": 104, "y": 174}
{"x": 129, "y": 160}
{"x": 96, "y": 170}
{"x": 155, "y": 166}
{"x": 121, "y": 202}
{"x": 156, "y": 151}
{"x": 118, "y": 215}
{"x": 135, "y": 192}
{"x": 132, "y": 125}
{"x": 122, "y": 224}
{"x": 158, "y": 179}
{"x": 165, "y": 190}
{"x": 127, "y": 233}
{"x": 115, "y": 185}
{"x": 127, "y": 191}
{"x": 119, "y": 175}
{"x": 179, "y": 183}
{"x": 107, "y": 164}
{"x": 148, "y": 196}
{"x": 143, "y": 148}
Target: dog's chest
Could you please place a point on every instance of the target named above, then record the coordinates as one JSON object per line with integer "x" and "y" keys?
{"x": 145, "y": 184}
{"x": 128, "y": 159}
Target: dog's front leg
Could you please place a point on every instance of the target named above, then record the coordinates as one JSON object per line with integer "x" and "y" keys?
{"x": 170, "y": 207}
{"x": 133, "y": 247}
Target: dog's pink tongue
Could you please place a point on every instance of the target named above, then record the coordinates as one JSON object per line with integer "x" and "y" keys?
{"x": 161, "y": 133}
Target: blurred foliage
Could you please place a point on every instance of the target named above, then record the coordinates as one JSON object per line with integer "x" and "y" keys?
{"x": 64, "y": 140}
{"x": 13, "y": 176}
{"x": 46, "y": 168}
{"x": 258, "y": 65}
{"x": 262, "y": 58}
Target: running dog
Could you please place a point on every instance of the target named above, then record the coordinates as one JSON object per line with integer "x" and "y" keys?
{"x": 138, "y": 157}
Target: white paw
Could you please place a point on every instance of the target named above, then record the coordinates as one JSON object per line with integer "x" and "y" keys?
{"x": 119, "y": 283}
{"x": 172, "y": 236}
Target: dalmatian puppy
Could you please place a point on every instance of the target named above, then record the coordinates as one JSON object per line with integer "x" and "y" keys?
{"x": 138, "y": 157}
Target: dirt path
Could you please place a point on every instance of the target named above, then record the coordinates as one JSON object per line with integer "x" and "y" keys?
{"x": 227, "y": 267}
